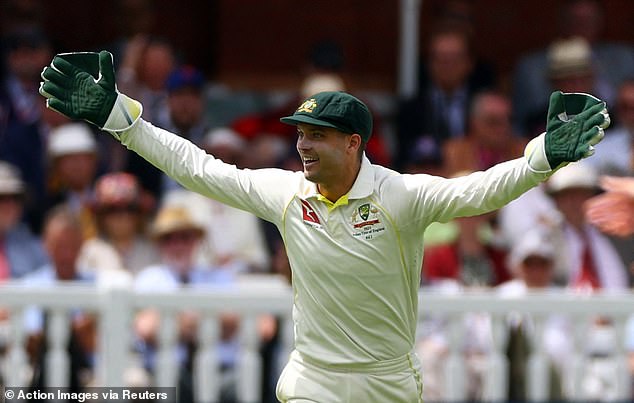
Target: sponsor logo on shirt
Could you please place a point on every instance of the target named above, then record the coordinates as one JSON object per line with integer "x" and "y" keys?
{"x": 366, "y": 222}
{"x": 309, "y": 215}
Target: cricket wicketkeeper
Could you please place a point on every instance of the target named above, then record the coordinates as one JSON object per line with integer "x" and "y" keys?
{"x": 353, "y": 230}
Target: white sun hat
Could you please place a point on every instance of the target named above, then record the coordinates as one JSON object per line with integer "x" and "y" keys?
{"x": 577, "y": 175}
{"x": 71, "y": 138}
{"x": 10, "y": 181}
{"x": 534, "y": 243}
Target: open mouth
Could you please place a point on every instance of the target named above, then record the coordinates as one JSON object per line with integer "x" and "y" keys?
{"x": 309, "y": 161}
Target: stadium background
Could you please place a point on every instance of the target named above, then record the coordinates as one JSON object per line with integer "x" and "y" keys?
{"x": 262, "y": 44}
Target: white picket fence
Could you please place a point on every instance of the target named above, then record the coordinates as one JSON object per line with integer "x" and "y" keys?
{"x": 116, "y": 307}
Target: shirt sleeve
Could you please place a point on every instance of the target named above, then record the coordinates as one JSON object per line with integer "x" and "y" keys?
{"x": 431, "y": 198}
{"x": 263, "y": 192}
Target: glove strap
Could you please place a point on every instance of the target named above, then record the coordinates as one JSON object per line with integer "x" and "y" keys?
{"x": 124, "y": 114}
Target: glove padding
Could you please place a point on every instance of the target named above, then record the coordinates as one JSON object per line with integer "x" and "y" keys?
{"x": 575, "y": 124}
{"x": 81, "y": 86}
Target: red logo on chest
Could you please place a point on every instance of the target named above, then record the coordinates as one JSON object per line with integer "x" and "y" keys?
{"x": 308, "y": 213}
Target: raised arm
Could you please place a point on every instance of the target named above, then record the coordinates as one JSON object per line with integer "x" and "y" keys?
{"x": 575, "y": 126}
{"x": 82, "y": 86}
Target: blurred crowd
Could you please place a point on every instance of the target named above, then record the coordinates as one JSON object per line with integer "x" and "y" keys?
{"x": 76, "y": 205}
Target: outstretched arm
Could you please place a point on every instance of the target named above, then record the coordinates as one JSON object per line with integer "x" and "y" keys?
{"x": 82, "y": 86}
{"x": 575, "y": 126}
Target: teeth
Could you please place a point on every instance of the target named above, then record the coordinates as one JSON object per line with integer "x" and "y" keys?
{"x": 309, "y": 159}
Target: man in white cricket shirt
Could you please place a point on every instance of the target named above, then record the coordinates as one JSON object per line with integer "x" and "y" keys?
{"x": 353, "y": 230}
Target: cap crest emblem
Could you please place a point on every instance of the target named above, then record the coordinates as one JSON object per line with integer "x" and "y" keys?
{"x": 308, "y": 106}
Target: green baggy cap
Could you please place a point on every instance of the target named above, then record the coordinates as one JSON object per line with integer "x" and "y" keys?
{"x": 335, "y": 109}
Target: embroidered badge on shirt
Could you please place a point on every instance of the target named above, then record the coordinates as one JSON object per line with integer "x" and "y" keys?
{"x": 366, "y": 222}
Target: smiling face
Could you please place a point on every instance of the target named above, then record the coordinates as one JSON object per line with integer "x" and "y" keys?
{"x": 329, "y": 157}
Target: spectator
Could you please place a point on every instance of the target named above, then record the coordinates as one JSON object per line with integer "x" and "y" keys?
{"x": 470, "y": 260}
{"x": 62, "y": 240}
{"x": 266, "y": 150}
{"x": 531, "y": 260}
{"x": 144, "y": 71}
{"x": 27, "y": 50}
{"x": 489, "y": 140}
{"x": 570, "y": 69}
{"x": 441, "y": 108}
{"x": 426, "y": 157}
{"x": 225, "y": 144}
{"x": 616, "y": 154}
{"x": 72, "y": 152}
{"x": 177, "y": 235}
{"x": 22, "y": 142}
{"x": 586, "y": 19}
{"x": 461, "y": 15}
{"x": 20, "y": 251}
{"x": 534, "y": 210}
{"x": 186, "y": 104}
{"x": 592, "y": 261}
{"x": 121, "y": 210}
{"x": 531, "y": 263}
{"x": 612, "y": 62}
{"x": 137, "y": 19}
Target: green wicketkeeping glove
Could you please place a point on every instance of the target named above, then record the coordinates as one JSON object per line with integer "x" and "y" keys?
{"x": 575, "y": 124}
{"x": 81, "y": 86}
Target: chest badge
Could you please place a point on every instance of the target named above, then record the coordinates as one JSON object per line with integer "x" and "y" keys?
{"x": 366, "y": 222}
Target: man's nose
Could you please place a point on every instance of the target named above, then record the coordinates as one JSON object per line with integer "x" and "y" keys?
{"x": 303, "y": 144}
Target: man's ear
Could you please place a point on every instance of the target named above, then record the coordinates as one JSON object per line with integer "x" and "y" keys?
{"x": 354, "y": 143}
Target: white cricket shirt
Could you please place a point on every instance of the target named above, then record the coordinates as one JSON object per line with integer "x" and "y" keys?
{"x": 356, "y": 263}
